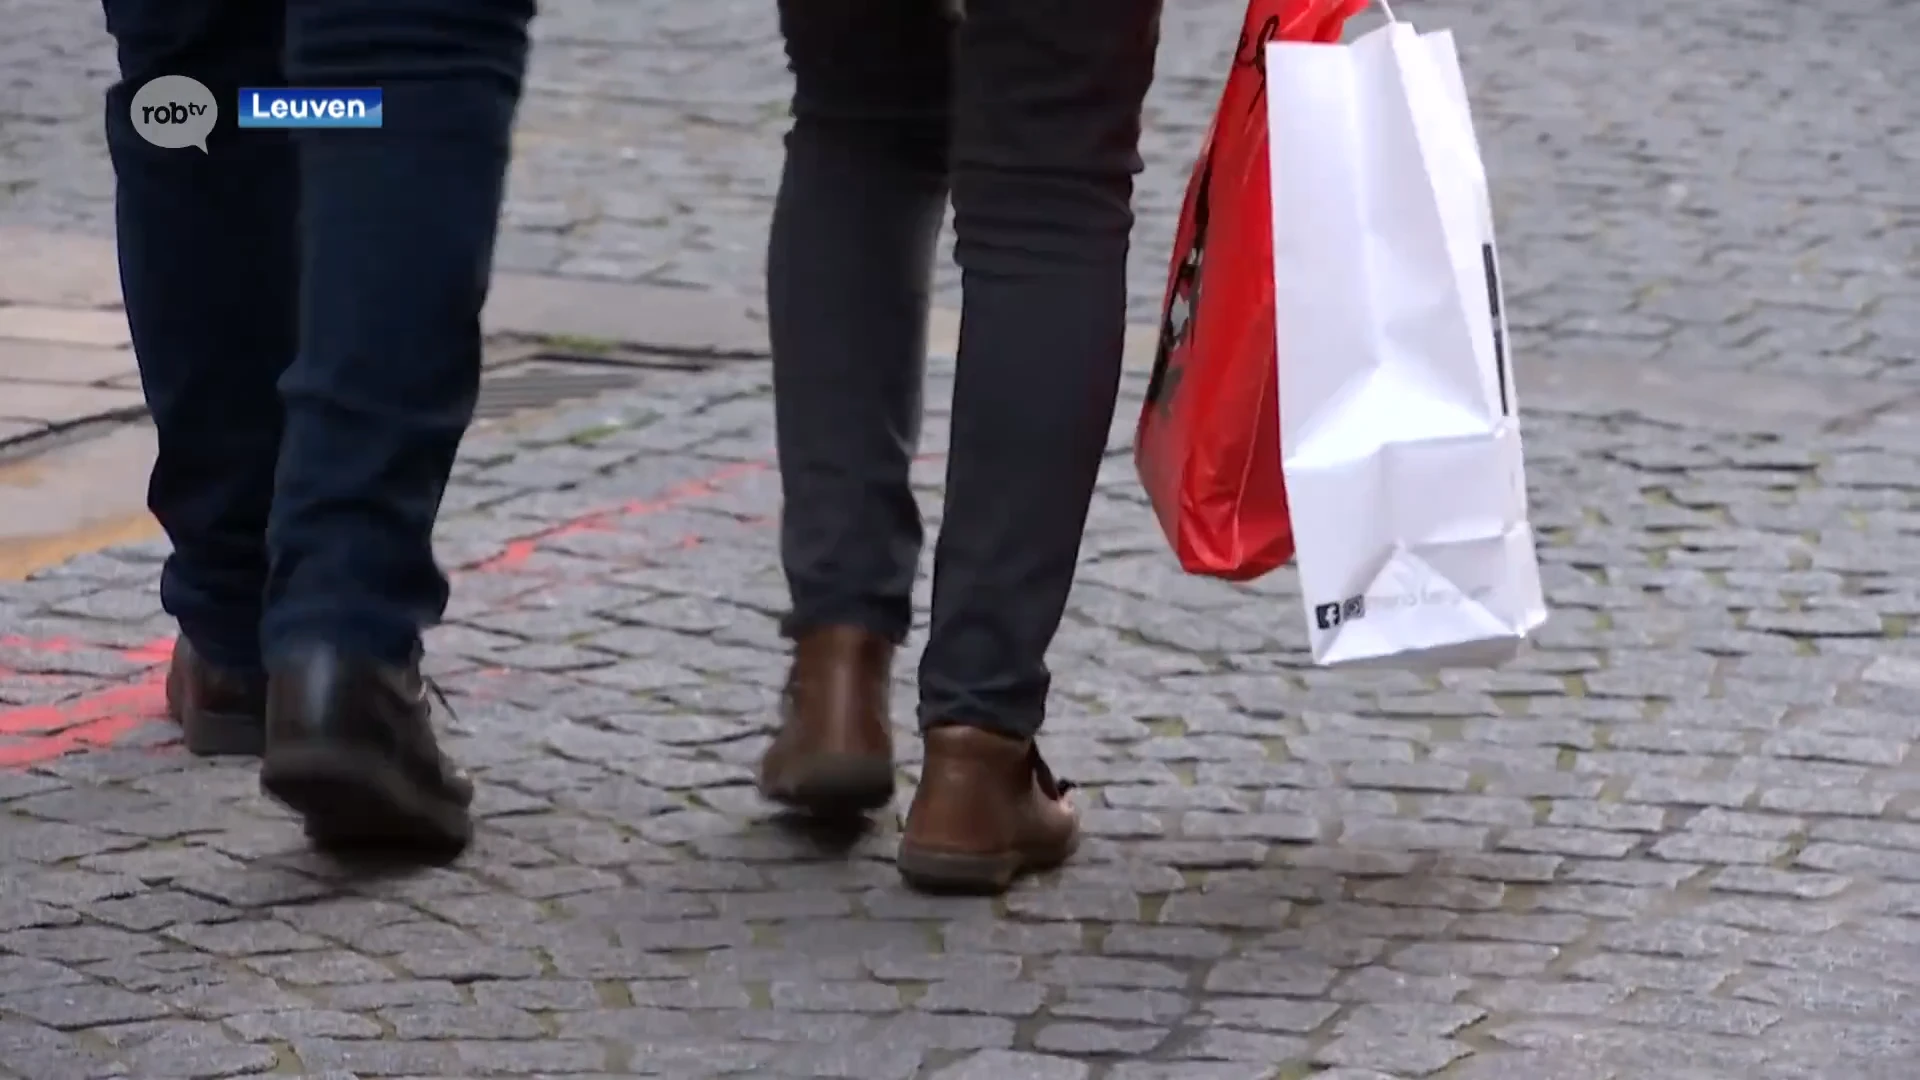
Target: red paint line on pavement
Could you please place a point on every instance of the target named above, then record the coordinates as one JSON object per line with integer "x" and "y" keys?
{"x": 99, "y": 719}
{"x": 519, "y": 552}
{"x": 35, "y": 734}
{"x": 38, "y": 733}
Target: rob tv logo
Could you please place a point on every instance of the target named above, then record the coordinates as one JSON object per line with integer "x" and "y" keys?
{"x": 174, "y": 112}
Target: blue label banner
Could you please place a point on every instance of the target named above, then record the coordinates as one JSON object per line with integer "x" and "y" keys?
{"x": 308, "y": 107}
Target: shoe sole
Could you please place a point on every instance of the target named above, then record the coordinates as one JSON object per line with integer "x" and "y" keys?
{"x": 950, "y": 873}
{"x": 835, "y": 786}
{"x": 357, "y": 801}
{"x": 213, "y": 734}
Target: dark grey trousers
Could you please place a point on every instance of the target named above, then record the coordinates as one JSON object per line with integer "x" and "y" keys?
{"x": 1027, "y": 113}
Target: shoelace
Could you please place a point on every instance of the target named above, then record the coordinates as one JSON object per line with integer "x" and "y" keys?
{"x": 432, "y": 686}
{"x": 1053, "y": 786}
{"x": 439, "y": 696}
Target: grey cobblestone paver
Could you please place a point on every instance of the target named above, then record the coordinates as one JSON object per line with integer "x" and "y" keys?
{"x": 1720, "y": 183}
{"x": 1678, "y": 838}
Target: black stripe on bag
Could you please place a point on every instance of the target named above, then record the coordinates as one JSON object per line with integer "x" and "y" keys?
{"x": 1252, "y": 53}
{"x": 1499, "y": 335}
{"x": 1183, "y": 300}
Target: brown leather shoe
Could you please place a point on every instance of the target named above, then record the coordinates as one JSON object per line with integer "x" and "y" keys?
{"x": 988, "y": 810}
{"x": 219, "y": 711}
{"x": 833, "y": 756}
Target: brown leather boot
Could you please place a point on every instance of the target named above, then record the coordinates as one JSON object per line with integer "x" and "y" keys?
{"x": 988, "y": 810}
{"x": 833, "y": 756}
{"x": 219, "y": 711}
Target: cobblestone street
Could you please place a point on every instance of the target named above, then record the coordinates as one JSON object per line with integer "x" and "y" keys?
{"x": 1726, "y": 183}
{"x": 1678, "y": 839}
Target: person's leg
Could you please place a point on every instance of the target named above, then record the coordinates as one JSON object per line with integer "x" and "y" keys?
{"x": 208, "y": 269}
{"x": 1047, "y": 109}
{"x": 849, "y": 274}
{"x": 397, "y": 232}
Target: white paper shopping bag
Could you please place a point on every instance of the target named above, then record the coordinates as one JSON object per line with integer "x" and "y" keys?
{"x": 1398, "y": 422}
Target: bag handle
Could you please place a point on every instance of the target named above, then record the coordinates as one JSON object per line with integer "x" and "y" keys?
{"x": 1386, "y": 9}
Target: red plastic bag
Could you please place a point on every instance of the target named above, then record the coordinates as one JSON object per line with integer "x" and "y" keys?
{"x": 1208, "y": 447}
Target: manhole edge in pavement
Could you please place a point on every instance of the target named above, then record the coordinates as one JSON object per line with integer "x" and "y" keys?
{"x": 511, "y": 391}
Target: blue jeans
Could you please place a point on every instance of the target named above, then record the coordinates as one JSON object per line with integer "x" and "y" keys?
{"x": 305, "y": 307}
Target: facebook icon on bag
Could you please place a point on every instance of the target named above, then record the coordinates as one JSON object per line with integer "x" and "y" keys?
{"x": 1332, "y": 616}
{"x": 309, "y": 107}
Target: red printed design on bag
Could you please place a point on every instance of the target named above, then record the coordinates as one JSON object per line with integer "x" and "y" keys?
{"x": 1208, "y": 446}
